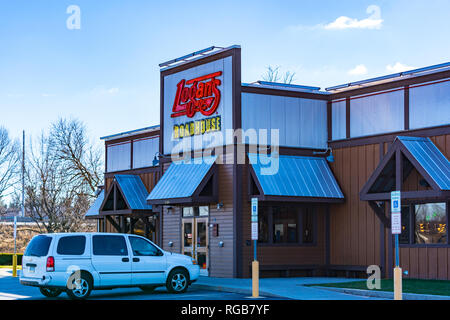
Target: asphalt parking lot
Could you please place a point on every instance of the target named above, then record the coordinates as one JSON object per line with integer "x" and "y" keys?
{"x": 11, "y": 289}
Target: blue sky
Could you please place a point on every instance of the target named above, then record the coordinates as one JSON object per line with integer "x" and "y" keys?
{"x": 106, "y": 73}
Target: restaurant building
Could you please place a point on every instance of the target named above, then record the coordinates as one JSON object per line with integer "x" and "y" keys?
{"x": 321, "y": 163}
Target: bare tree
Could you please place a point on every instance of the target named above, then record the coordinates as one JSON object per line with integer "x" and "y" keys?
{"x": 62, "y": 174}
{"x": 272, "y": 75}
{"x": 9, "y": 163}
{"x": 83, "y": 161}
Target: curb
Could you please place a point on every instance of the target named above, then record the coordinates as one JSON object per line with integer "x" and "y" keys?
{"x": 385, "y": 294}
{"x": 237, "y": 290}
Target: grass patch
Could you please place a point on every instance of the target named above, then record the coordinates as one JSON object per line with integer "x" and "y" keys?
{"x": 436, "y": 287}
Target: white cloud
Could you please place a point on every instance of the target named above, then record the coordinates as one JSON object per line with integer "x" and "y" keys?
{"x": 102, "y": 90}
{"x": 398, "y": 67}
{"x": 359, "y": 70}
{"x": 374, "y": 21}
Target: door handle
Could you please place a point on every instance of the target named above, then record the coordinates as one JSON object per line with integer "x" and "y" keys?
{"x": 136, "y": 259}
{"x": 125, "y": 259}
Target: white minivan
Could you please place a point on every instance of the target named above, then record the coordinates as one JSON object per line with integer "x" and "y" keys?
{"x": 79, "y": 262}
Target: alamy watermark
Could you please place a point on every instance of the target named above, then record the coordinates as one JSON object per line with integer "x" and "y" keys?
{"x": 73, "y": 22}
{"x": 374, "y": 279}
{"x": 260, "y": 146}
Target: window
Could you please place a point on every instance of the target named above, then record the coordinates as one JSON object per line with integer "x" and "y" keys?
{"x": 72, "y": 245}
{"x": 430, "y": 223}
{"x": 307, "y": 226}
{"x": 38, "y": 246}
{"x": 109, "y": 246}
{"x": 202, "y": 211}
{"x": 284, "y": 225}
{"x": 142, "y": 247}
{"x": 118, "y": 156}
{"x": 404, "y": 237}
{"x": 424, "y": 223}
{"x": 188, "y": 211}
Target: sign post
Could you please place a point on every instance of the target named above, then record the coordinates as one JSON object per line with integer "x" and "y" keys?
{"x": 14, "y": 262}
{"x": 396, "y": 229}
{"x": 255, "y": 263}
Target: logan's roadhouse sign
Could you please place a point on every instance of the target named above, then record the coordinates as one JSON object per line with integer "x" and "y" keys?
{"x": 197, "y": 103}
{"x": 201, "y": 94}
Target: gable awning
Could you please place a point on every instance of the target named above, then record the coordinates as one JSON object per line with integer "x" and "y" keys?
{"x": 126, "y": 195}
{"x": 404, "y": 155}
{"x": 186, "y": 181}
{"x": 94, "y": 210}
{"x": 297, "y": 178}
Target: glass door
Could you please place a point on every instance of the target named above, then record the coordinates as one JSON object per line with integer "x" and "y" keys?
{"x": 188, "y": 237}
{"x": 195, "y": 241}
{"x": 201, "y": 240}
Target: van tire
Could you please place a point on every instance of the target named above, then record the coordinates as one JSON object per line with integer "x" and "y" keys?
{"x": 50, "y": 292}
{"x": 79, "y": 288}
{"x": 177, "y": 281}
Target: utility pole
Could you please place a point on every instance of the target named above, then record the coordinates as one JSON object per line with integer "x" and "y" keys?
{"x": 23, "y": 173}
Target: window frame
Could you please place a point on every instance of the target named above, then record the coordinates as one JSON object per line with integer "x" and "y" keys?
{"x": 268, "y": 210}
{"x": 412, "y": 223}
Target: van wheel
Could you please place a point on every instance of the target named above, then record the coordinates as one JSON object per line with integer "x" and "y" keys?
{"x": 147, "y": 289}
{"x": 50, "y": 292}
{"x": 177, "y": 281}
{"x": 79, "y": 287}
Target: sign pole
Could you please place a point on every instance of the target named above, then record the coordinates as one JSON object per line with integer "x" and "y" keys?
{"x": 396, "y": 229}
{"x": 255, "y": 263}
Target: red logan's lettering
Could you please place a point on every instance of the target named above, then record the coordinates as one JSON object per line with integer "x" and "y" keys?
{"x": 203, "y": 95}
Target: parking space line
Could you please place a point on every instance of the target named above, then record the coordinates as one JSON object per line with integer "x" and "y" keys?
{"x": 10, "y": 296}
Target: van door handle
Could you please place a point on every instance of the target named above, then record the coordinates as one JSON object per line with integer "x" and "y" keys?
{"x": 136, "y": 259}
{"x": 125, "y": 259}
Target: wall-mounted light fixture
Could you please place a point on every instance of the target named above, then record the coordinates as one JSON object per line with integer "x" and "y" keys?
{"x": 170, "y": 243}
{"x": 330, "y": 157}
{"x": 219, "y": 205}
{"x": 156, "y": 158}
{"x": 221, "y": 244}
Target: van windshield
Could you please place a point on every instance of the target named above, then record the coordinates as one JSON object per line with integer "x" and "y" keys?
{"x": 38, "y": 246}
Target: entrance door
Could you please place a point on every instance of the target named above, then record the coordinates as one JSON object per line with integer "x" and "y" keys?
{"x": 195, "y": 241}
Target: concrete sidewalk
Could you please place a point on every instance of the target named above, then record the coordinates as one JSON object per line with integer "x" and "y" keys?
{"x": 289, "y": 288}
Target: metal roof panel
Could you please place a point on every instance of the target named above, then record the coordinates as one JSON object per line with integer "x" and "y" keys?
{"x": 430, "y": 158}
{"x": 134, "y": 191}
{"x": 182, "y": 178}
{"x": 297, "y": 176}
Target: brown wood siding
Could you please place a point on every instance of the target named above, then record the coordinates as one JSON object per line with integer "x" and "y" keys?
{"x": 221, "y": 258}
{"x": 355, "y": 229}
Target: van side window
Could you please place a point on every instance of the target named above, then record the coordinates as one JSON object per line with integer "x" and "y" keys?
{"x": 142, "y": 247}
{"x": 71, "y": 245}
{"x": 109, "y": 246}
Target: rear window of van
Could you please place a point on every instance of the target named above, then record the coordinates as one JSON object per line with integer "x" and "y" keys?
{"x": 71, "y": 245}
{"x": 38, "y": 246}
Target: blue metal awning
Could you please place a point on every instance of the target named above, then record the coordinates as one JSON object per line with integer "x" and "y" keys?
{"x": 94, "y": 209}
{"x": 182, "y": 181}
{"x": 133, "y": 191}
{"x": 297, "y": 178}
{"x": 430, "y": 158}
{"x": 403, "y": 156}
